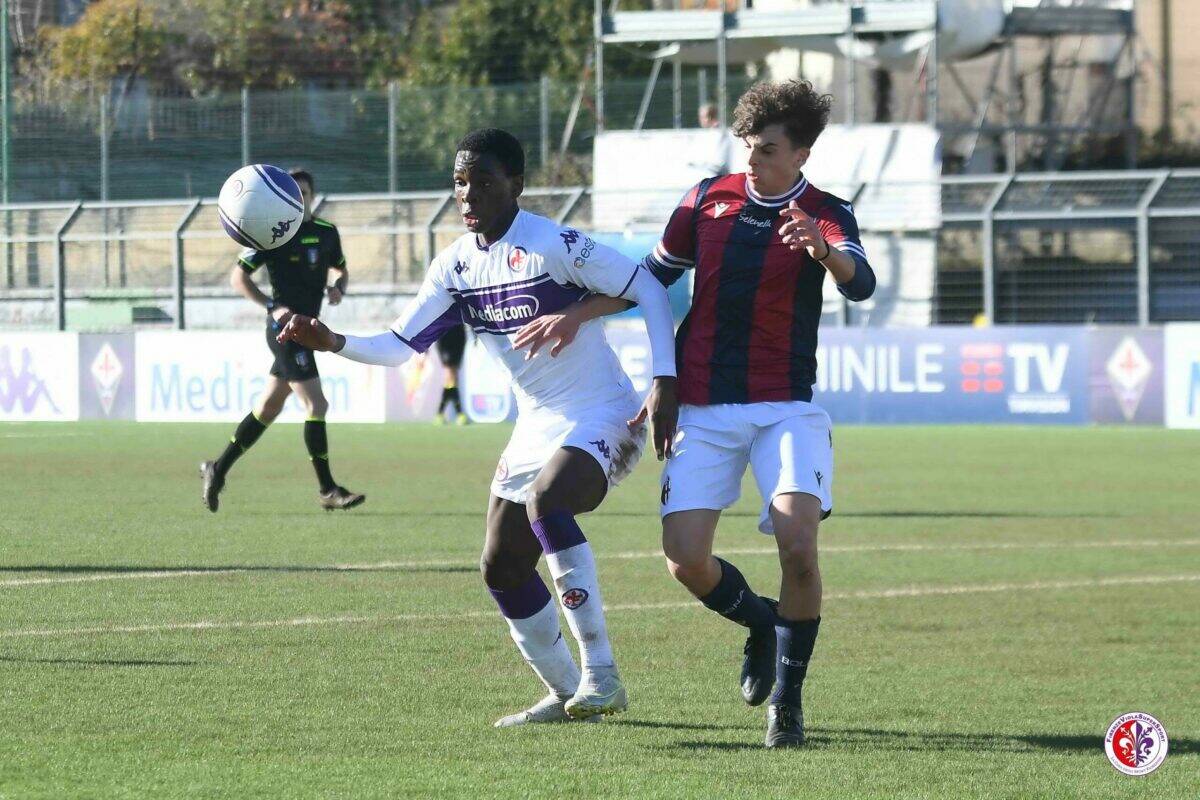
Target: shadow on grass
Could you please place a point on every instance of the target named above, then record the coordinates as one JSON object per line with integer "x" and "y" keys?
{"x": 911, "y": 514}
{"x": 855, "y": 738}
{"x": 98, "y": 662}
{"x": 681, "y": 726}
{"x": 83, "y": 569}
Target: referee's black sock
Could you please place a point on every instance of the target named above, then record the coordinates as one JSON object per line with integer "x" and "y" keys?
{"x": 318, "y": 451}
{"x": 247, "y": 433}
{"x": 450, "y": 395}
{"x": 733, "y": 599}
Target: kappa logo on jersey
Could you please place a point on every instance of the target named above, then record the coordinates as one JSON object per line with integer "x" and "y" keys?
{"x": 570, "y": 236}
{"x": 280, "y": 230}
{"x": 602, "y": 446}
{"x": 719, "y": 209}
{"x": 666, "y": 491}
{"x": 574, "y": 598}
{"x": 459, "y": 268}
{"x": 819, "y": 476}
{"x": 518, "y": 257}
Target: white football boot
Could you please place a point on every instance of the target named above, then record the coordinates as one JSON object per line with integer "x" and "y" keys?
{"x": 600, "y": 693}
{"x": 550, "y": 708}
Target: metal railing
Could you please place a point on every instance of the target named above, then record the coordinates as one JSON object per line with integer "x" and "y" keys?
{"x": 1102, "y": 247}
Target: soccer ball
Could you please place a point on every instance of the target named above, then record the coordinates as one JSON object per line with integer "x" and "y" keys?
{"x": 260, "y": 207}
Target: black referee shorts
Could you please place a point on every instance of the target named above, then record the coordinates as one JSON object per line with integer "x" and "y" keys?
{"x": 292, "y": 362}
{"x": 451, "y": 346}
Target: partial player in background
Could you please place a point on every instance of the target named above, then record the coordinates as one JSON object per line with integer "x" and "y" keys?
{"x": 760, "y": 243}
{"x": 714, "y": 155}
{"x": 299, "y": 272}
{"x": 450, "y": 348}
{"x": 579, "y": 427}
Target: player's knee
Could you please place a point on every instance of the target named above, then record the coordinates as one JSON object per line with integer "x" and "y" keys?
{"x": 543, "y": 499}
{"x": 680, "y": 572}
{"x": 682, "y": 552}
{"x": 492, "y": 568}
{"x": 318, "y": 407}
{"x": 798, "y": 557}
{"x": 269, "y": 410}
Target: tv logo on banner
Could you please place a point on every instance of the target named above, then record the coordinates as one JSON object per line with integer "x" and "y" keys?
{"x": 1025, "y": 374}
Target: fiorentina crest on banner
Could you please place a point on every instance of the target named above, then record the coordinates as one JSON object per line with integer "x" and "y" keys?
{"x": 1128, "y": 371}
{"x": 106, "y": 375}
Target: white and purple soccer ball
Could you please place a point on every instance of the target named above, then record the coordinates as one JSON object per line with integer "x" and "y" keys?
{"x": 261, "y": 207}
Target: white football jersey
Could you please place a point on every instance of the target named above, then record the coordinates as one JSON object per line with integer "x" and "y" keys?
{"x": 538, "y": 267}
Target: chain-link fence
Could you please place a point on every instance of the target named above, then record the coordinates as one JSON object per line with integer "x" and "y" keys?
{"x": 1053, "y": 248}
{"x": 400, "y": 138}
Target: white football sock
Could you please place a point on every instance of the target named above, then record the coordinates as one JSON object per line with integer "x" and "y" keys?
{"x": 575, "y": 580}
{"x": 540, "y": 640}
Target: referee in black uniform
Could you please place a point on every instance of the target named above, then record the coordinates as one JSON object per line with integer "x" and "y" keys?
{"x": 299, "y": 271}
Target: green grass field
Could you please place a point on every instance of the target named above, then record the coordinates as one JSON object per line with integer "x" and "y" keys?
{"x": 995, "y": 597}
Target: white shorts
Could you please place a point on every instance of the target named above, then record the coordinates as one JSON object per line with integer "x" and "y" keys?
{"x": 599, "y": 431}
{"x": 789, "y": 445}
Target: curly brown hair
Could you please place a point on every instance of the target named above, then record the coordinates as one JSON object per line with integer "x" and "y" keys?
{"x": 795, "y": 104}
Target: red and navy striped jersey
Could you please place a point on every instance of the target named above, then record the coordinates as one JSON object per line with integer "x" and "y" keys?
{"x": 751, "y": 333}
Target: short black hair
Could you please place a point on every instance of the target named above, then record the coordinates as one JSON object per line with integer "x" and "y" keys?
{"x": 795, "y": 104}
{"x": 303, "y": 175}
{"x": 499, "y": 143}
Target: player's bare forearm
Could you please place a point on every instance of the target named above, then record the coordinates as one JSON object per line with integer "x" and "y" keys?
{"x": 342, "y": 278}
{"x": 247, "y": 288}
{"x": 335, "y": 291}
{"x": 599, "y": 305}
{"x": 840, "y": 265}
{"x": 563, "y": 327}
{"x": 661, "y": 409}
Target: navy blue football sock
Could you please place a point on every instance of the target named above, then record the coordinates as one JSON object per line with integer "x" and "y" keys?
{"x": 794, "y": 647}
{"x": 733, "y": 599}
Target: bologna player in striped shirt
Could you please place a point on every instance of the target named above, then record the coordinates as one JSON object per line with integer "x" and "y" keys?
{"x": 760, "y": 244}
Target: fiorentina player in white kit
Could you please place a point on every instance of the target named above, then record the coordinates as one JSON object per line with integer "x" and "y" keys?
{"x": 579, "y": 427}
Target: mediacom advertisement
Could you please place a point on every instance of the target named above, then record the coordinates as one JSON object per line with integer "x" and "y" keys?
{"x": 184, "y": 376}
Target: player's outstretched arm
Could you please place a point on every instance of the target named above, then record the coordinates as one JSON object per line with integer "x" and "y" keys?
{"x": 385, "y": 349}
{"x": 563, "y": 328}
{"x": 662, "y": 403}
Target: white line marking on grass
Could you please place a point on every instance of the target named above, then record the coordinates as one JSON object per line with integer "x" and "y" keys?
{"x": 62, "y": 435}
{"x": 121, "y": 576}
{"x": 626, "y": 556}
{"x": 870, "y": 594}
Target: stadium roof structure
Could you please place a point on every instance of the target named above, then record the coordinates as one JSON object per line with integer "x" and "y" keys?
{"x": 719, "y": 38}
